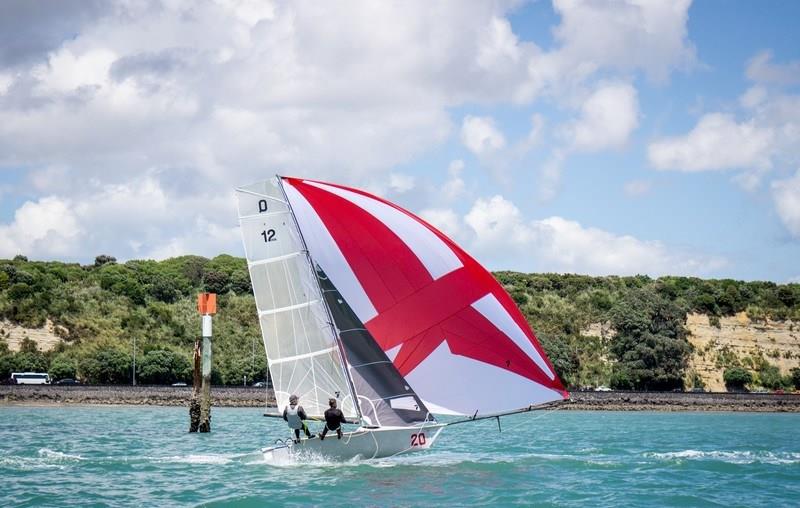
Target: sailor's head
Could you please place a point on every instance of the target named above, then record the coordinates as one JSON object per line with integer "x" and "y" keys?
{"x": 293, "y": 399}
{"x": 332, "y": 402}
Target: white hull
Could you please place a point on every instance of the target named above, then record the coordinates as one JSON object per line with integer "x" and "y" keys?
{"x": 359, "y": 444}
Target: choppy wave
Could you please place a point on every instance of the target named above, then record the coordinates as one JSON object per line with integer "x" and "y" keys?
{"x": 732, "y": 457}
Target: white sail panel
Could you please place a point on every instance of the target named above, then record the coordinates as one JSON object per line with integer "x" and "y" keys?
{"x": 270, "y": 235}
{"x": 287, "y": 282}
{"x": 455, "y": 384}
{"x": 297, "y": 330}
{"x": 301, "y": 346}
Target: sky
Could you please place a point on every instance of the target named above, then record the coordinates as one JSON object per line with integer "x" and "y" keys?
{"x": 603, "y": 138}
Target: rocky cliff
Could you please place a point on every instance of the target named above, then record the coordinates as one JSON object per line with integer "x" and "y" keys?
{"x": 725, "y": 341}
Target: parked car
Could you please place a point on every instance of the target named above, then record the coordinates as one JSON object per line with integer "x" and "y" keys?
{"x": 602, "y": 389}
{"x": 179, "y": 383}
{"x": 698, "y": 389}
{"x": 68, "y": 381}
{"x": 260, "y": 384}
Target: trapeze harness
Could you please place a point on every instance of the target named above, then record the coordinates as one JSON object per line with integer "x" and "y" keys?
{"x": 292, "y": 418}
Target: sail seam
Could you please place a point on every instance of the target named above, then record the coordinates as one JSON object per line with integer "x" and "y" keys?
{"x": 262, "y": 214}
{"x": 369, "y": 363}
{"x": 303, "y": 356}
{"x": 253, "y": 193}
{"x": 262, "y": 313}
{"x": 275, "y": 259}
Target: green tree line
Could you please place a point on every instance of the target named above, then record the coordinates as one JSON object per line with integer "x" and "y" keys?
{"x": 99, "y": 309}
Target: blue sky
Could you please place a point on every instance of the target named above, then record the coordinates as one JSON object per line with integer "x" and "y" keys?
{"x": 583, "y": 137}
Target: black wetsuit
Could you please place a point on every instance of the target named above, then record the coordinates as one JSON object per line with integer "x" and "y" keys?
{"x": 333, "y": 421}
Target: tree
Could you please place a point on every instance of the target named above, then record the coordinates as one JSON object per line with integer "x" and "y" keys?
{"x": 20, "y": 291}
{"x": 6, "y": 366}
{"x": 104, "y": 259}
{"x": 63, "y": 367}
{"x": 163, "y": 367}
{"x": 240, "y": 282}
{"x": 795, "y": 377}
{"x": 564, "y": 359}
{"x": 736, "y": 379}
{"x": 769, "y": 376}
{"x": 163, "y": 288}
{"x": 106, "y": 366}
{"x": 650, "y": 346}
{"x": 26, "y": 361}
{"x": 216, "y": 282}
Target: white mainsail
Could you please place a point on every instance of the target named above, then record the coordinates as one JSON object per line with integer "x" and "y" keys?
{"x": 300, "y": 340}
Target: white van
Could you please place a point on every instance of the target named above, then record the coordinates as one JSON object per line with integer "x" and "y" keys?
{"x": 31, "y": 378}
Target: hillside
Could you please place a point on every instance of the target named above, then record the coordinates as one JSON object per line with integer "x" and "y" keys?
{"x": 624, "y": 332}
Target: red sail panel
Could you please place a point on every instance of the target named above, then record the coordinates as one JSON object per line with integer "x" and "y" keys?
{"x": 451, "y": 329}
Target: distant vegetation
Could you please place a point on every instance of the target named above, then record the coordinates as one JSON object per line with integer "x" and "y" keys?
{"x": 99, "y": 309}
{"x": 649, "y": 349}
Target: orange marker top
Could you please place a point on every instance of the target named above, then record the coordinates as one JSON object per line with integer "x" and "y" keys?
{"x": 207, "y": 303}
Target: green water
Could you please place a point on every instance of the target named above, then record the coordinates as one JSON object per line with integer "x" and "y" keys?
{"x": 142, "y": 456}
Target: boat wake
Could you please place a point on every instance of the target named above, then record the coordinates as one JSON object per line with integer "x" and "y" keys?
{"x": 731, "y": 457}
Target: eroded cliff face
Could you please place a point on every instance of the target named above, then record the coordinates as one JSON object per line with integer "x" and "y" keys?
{"x": 738, "y": 338}
{"x": 728, "y": 341}
{"x": 45, "y": 337}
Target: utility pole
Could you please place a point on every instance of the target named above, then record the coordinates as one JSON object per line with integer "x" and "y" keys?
{"x": 200, "y": 405}
{"x": 134, "y": 360}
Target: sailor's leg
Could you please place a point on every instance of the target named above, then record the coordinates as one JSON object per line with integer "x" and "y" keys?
{"x": 324, "y": 431}
{"x": 296, "y": 435}
{"x": 305, "y": 429}
{"x": 339, "y": 432}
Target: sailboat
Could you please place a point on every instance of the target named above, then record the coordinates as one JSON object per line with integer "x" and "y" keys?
{"x": 362, "y": 301}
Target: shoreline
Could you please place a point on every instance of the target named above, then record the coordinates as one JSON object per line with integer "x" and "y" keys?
{"x": 227, "y": 396}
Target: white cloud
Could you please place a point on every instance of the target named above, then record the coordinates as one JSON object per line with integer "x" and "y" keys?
{"x": 632, "y": 34}
{"x": 454, "y": 187}
{"x": 607, "y": 118}
{"x": 761, "y": 69}
{"x": 717, "y": 142}
{"x": 503, "y": 238}
{"x": 445, "y": 219}
{"x": 174, "y": 101}
{"x": 400, "y": 182}
{"x": 786, "y": 194}
{"x": 481, "y": 136}
{"x": 47, "y": 226}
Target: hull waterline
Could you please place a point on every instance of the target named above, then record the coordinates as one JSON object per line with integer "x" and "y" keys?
{"x": 361, "y": 444}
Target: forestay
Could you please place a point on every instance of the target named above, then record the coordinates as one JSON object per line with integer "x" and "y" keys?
{"x": 301, "y": 345}
{"x": 451, "y": 330}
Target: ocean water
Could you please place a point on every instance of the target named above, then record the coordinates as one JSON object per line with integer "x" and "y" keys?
{"x": 143, "y": 456}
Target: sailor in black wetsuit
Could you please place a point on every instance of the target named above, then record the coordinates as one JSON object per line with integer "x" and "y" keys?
{"x": 333, "y": 420}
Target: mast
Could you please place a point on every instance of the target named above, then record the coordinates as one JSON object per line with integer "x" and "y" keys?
{"x": 336, "y": 337}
